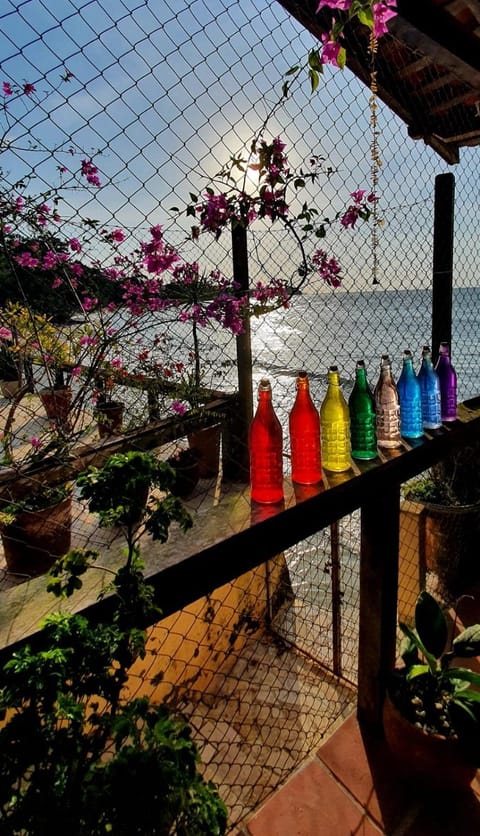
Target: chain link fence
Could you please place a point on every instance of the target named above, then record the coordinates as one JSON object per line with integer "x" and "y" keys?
{"x": 156, "y": 97}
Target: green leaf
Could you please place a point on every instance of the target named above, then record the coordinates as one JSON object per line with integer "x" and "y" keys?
{"x": 292, "y": 70}
{"x": 342, "y": 57}
{"x": 463, "y": 675}
{"x": 417, "y": 670}
{"x": 314, "y": 80}
{"x": 314, "y": 61}
{"x": 285, "y": 88}
{"x": 193, "y": 197}
{"x": 415, "y": 639}
{"x": 298, "y": 183}
{"x": 430, "y": 624}
{"x": 468, "y": 642}
{"x": 174, "y": 209}
{"x": 365, "y": 16}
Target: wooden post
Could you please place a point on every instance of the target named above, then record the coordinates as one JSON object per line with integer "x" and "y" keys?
{"x": 378, "y": 601}
{"x": 442, "y": 261}
{"x": 236, "y": 460}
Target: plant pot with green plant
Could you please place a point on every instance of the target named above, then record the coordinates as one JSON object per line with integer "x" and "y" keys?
{"x": 36, "y": 529}
{"x": 449, "y": 519}
{"x": 432, "y": 711}
{"x": 77, "y": 755}
{"x": 10, "y": 370}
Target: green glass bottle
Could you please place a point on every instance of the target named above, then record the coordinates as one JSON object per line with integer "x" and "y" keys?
{"x": 361, "y": 404}
{"x": 335, "y": 424}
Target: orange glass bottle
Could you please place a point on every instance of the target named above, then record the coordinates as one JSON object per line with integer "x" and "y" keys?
{"x": 266, "y": 450}
{"x": 304, "y": 426}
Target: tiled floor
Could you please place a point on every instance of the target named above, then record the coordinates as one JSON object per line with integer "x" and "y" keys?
{"x": 351, "y": 788}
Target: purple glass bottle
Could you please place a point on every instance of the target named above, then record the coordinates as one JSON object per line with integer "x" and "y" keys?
{"x": 448, "y": 384}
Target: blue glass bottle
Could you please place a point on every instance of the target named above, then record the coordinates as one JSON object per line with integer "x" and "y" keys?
{"x": 410, "y": 396}
{"x": 430, "y": 391}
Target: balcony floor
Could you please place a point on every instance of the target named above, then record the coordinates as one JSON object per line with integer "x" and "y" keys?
{"x": 350, "y": 787}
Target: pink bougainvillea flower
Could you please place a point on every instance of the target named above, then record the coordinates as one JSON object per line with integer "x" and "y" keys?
{"x": 179, "y": 408}
{"x": 90, "y": 172}
{"x": 28, "y": 89}
{"x": 358, "y": 196}
{"x": 343, "y": 5}
{"x": 89, "y": 304}
{"x": 5, "y": 333}
{"x": 383, "y": 12}
{"x": 116, "y": 363}
{"x": 117, "y": 235}
{"x": 75, "y": 245}
{"x": 328, "y": 268}
{"x": 57, "y": 282}
{"x": 76, "y": 372}
{"x": 330, "y": 50}
{"x": 26, "y": 259}
{"x": 36, "y": 442}
{"x": 7, "y": 88}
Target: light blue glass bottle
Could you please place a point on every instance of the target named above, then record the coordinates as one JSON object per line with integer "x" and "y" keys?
{"x": 410, "y": 396}
{"x": 430, "y": 391}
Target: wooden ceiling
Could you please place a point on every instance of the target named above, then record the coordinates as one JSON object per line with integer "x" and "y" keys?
{"x": 428, "y": 66}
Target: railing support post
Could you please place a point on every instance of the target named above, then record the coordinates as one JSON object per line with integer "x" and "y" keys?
{"x": 442, "y": 278}
{"x": 236, "y": 461}
{"x": 378, "y": 601}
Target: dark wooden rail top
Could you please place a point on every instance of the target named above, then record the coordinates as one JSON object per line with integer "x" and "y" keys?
{"x": 237, "y": 535}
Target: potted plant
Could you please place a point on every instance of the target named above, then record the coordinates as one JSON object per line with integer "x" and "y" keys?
{"x": 36, "y": 529}
{"x": 184, "y": 462}
{"x": 77, "y": 754}
{"x": 10, "y": 370}
{"x": 449, "y": 496}
{"x": 118, "y": 490}
{"x": 109, "y": 412}
{"x": 432, "y": 710}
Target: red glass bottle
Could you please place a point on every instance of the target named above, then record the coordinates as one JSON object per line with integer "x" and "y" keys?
{"x": 266, "y": 450}
{"x": 304, "y": 426}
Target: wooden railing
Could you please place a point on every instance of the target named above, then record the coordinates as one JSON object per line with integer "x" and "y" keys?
{"x": 237, "y": 536}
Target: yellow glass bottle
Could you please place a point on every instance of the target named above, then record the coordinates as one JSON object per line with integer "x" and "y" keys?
{"x": 335, "y": 423}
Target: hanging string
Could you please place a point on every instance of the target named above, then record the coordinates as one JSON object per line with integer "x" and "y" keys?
{"x": 376, "y": 162}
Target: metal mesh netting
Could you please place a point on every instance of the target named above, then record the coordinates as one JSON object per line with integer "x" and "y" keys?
{"x": 157, "y": 96}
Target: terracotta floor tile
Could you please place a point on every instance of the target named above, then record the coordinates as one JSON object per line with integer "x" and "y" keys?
{"x": 311, "y": 804}
{"x": 363, "y": 764}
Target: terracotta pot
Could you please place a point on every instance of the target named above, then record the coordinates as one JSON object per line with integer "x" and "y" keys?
{"x": 57, "y": 403}
{"x": 186, "y": 477}
{"x": 10, "y": 388}
{"x": 207, "y": 444}
{"x": 36, "y": 539}
{"x": 434, "y": 761}
{"x": 110, "y": 418}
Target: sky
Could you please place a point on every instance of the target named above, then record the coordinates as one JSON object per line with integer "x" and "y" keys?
{"x": 164, "y": 91}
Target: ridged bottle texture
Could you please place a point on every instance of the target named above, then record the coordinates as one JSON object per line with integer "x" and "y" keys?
{"x": 387, "y": 407}
{"x": 335, "y": 422}
{"x": 410, "y": 397}
{"x": 448, "y": 384}
{"x": 430, "y": 391}
{"x": 361, "y": 404}
{"x": 304, "y": 427}
{"x": 266, "y": 450}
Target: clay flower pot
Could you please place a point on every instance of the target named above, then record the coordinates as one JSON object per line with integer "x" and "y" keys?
{"x": 187, "y": 472}
{"x": 110, "y": 418}
{"x": 431, "y": 760}
{"x": 57, "y": 403}
{"x": 206, "y": 442}
{"x": 36, "y": 539}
